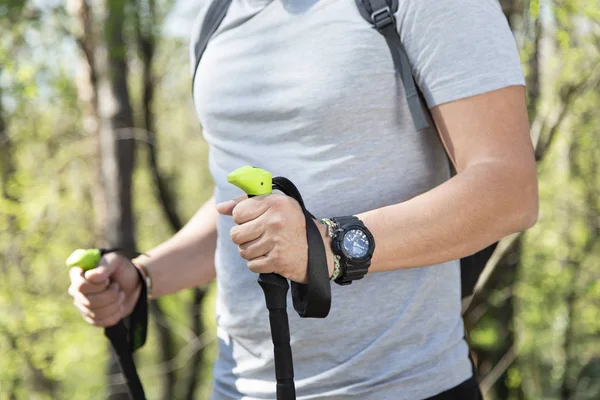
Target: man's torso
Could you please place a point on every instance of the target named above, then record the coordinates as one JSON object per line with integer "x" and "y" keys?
{"x": 308, "y": 91}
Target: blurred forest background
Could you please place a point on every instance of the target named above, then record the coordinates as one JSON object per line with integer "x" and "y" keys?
{"x": 99, "y": 144}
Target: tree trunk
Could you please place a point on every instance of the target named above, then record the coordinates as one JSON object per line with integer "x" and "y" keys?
{"x": 116, "y": 145}
{"x": 146, "y": 43}
{"x": 116, "y": 123}
{"x": 7, "y": 168}
{"x": 87, "y": 81}
{"x": 567, "y": 388}
{"x": 511, "y": 8}
{"x": 534, "y": 76}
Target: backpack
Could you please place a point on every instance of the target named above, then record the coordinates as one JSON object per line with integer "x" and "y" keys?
{"x": 380, "y": 14}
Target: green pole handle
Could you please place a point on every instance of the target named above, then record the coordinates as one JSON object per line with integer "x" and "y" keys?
{"x": 256, "y": 181}
{"x": 86, "y": 259}
{"x": 253, "y": 181}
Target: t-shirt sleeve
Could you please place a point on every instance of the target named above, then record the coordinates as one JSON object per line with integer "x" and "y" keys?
{"x": 458, "y": 48}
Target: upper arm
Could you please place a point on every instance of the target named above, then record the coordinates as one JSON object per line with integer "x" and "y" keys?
{"x": 491, "y": 127}
{"x": 466, "y": 63}
{"x": 488, "y": 137}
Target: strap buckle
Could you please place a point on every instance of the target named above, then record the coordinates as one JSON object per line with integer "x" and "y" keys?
{"x": 382, "y": 18}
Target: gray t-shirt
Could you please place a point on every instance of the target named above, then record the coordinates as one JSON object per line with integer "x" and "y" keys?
{"x": 307, "y": 90}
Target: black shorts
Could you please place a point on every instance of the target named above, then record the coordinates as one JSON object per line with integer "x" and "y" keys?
{"x": 468, "y": 390}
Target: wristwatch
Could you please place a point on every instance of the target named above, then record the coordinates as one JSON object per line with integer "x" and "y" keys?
{"x": 352, "y": 245}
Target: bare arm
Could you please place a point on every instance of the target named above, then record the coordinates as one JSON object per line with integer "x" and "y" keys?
{"x": 493, "y": 195}
{"x": 187, "y": 259}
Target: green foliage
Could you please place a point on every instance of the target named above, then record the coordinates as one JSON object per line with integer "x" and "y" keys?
{"x": 48, "y": 352}
{"x": 558, "y": 296}
{"x": 555, "y": 297}
{"x": 486, "y": 335}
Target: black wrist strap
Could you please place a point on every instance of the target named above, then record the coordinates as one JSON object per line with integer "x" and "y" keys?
{"x": 311, "y": 300}
{"x": 126, "y": 339}
{"x": 137, "y": 322}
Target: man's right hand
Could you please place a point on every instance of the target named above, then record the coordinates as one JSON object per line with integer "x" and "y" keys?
{"x": 106, "y": 294}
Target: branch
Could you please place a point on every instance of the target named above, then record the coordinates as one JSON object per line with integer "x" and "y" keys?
{"x": 499, "y": 369}
{"x": 41, "y": 382}
{"x": 177, "y": 362}
{"x": 196, "y": 317}
{"x": 165, "y": 348}
{"x": 568, "y": 96}
{"x": 84, "y": 36}
{"x": 504, "y": 248}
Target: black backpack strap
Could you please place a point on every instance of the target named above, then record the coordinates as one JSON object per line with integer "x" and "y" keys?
{"x": 214, "y": 16}
{"x": 380, "y": 14}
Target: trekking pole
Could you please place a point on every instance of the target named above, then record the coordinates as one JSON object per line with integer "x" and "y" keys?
{"x": 117, "y": 334}
{"x": 256, "y": 181}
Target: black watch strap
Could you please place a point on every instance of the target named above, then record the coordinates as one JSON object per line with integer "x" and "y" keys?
{"x": 347, "y": 220}
{"x": 352, "y": 272}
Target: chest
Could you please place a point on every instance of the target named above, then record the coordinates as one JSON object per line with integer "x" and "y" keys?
{"x": 312, "y": 64}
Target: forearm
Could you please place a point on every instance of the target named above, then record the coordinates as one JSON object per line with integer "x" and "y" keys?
{"x": 187, "y": 259}
{"x": 475, "y": 208}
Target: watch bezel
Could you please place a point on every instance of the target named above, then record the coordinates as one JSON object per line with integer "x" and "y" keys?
{"x": 339, "y": 243}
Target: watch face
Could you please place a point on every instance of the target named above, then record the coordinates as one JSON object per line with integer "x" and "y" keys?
{"x": 356, "y": 243}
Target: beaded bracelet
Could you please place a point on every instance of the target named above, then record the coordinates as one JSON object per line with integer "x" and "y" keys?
{"x": 145, "y": 274}
{"x": 336, "y": 259}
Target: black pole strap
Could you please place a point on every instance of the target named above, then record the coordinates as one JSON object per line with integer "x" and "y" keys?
{"x": 117, "y": 334}
{"x": 313, "y": 299}
{"x": 125, "y": 341}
